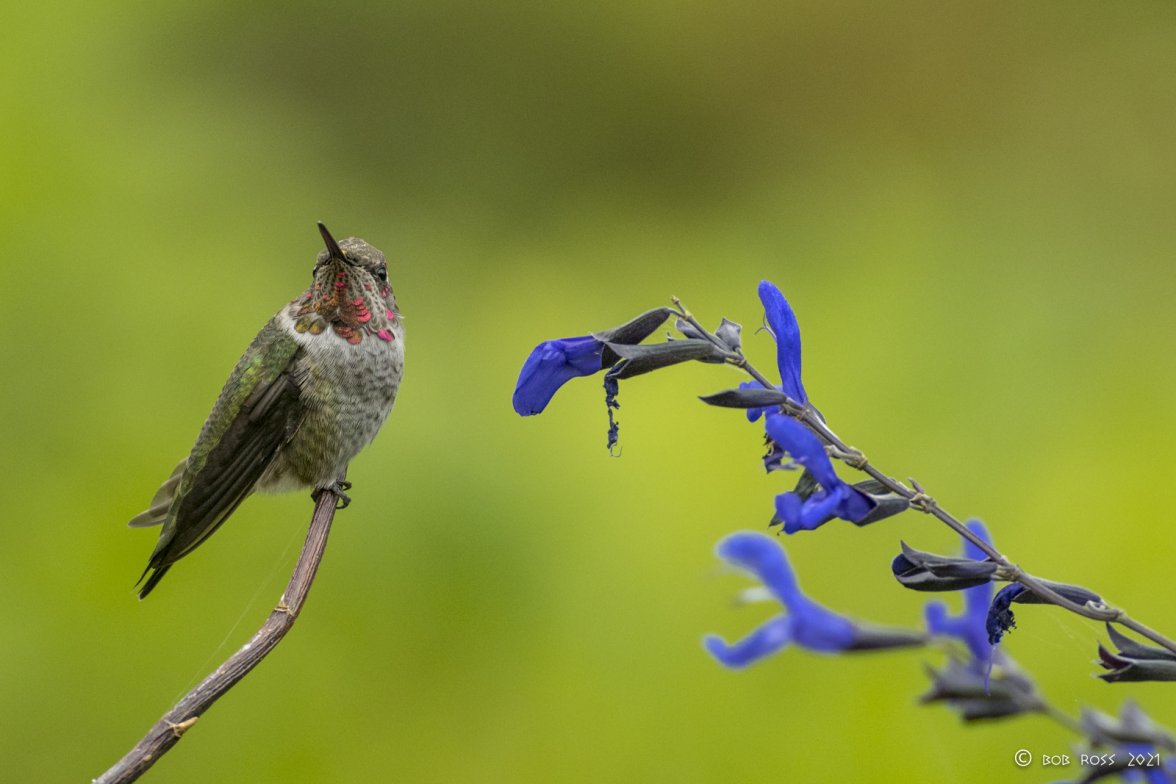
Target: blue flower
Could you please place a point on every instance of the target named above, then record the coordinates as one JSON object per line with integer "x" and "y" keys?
{"x": 785, "y": 329}
{"x": 973, "y": 687}
{"x": 834, "y": 499}
{"x": 782, "y": 323}
{"x": 970, "y": 627}
{"x": 552, "y": 364}
{"x": 806, "y": 623}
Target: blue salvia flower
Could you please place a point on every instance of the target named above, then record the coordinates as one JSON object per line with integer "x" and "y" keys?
{"x": 834, "y": 499}
{"x": 820, "y": 496}
{"x": 552, "y": 364}
{"x": 970, "y": 627}
{"x": 972, "y": 687}
{"x": 781, "y": 322}
{"x": 806, "y": 623}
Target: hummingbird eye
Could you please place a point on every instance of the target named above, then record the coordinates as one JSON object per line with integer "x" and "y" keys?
{"x": 382, "y": 273}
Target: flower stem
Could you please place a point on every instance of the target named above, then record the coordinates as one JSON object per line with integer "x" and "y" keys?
{"x": 1065, "y": 719}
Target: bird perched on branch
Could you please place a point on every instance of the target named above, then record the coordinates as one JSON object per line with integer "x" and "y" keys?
{"x": 310, "y": 392}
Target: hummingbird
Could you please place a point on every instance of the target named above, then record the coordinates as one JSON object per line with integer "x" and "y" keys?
{"x": 310, "y": 392}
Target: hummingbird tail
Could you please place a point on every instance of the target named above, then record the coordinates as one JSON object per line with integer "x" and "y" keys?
{"x": 156, "y": 514}
{"x": 153, "y": 580}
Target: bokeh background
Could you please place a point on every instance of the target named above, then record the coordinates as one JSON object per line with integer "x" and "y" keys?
{"x": 969, "y": 205}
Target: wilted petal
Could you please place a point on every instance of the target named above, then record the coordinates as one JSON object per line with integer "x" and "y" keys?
{"x": 764, "y": 641}
{"x": 552, "y": 364}
{"x": 1000, "y": 614}
{"x": 689, "y": 330}
{"x": 728, "y": 333}
{"x": 611, "y": 389}
{"x": 782, "y": 322}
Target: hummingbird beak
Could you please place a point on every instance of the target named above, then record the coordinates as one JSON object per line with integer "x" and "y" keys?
{"x": 333, "y": 249}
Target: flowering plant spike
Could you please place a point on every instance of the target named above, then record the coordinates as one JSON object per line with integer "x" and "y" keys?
{"x": 980, "y": 680}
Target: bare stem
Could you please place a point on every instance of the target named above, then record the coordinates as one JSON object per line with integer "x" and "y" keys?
{"x": 919, "y": 499}
{"x": 1065, "y": 720}
{"x": 167, "y": 731}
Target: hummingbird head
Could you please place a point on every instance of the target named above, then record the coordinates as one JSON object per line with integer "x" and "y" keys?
{"x": 350, "y": 293}
{"x": 352, "y": 257}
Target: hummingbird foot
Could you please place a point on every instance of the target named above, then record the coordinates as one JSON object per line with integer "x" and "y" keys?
{"x": 339, "y": 487}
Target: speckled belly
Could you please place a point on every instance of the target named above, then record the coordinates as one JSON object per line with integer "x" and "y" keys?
{"x": 347, "y": 391}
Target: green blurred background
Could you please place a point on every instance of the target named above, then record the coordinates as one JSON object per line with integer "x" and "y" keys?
{"x": 970, "y": 207}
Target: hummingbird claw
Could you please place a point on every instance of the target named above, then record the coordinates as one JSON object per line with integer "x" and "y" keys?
{"x": 339, "y": 488}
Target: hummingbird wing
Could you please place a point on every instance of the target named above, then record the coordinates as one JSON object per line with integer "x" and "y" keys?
{"x": 257, "y": 412}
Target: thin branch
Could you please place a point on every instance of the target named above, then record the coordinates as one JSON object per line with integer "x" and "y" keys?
{"x": 923, "y": 502}
{"x": 167, "y": 731}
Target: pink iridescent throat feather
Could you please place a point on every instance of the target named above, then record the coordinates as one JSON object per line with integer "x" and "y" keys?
{"x": 346, "y": 299}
